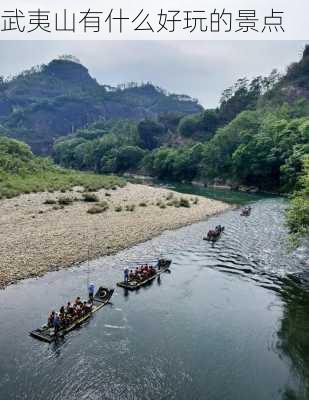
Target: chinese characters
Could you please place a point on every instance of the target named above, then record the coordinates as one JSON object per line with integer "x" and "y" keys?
{"x": 120, "y": 21}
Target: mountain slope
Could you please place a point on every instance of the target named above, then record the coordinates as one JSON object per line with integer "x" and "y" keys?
{"x": 22, "y": 172}
{"x": 50, "y": 101}
{"x": 258, "y": 136}
{"x": 293, "y": 87}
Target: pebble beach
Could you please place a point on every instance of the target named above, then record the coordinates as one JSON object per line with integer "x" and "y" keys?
{"x": 37, "y": 237}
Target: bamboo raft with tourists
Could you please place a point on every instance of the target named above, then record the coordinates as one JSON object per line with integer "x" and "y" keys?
{"x": 142, "y": 275}
{"x": 246, "y": 211}
{"x": 72, "y": 316}
{"x": 214, "y": 234}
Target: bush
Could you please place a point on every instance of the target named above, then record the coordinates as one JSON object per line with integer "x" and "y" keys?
{"x": 107, "y": 194}
{"x": 98, "y": 208}
{"x": 91, "y": 189}
{"x": 143, "y": 204}
{"x": 184, "y": 202}
{"x": 65, "y": 201}
{"x": 90, "y": 197}
{"x": 118, "y": 209}
{"x": 95, "y": 210}
{"x": 130, "y": 207}
{"x": 57, "y": 207}
{"x": 50, "y": 201}
{"x": 195, "y": 200}
{"x": 104, "y": 205}
{"x": 173, "y": 203}
{"x": 160, "y": 204}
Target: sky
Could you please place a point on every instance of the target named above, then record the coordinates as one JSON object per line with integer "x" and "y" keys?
{"x": 201, "y": 69}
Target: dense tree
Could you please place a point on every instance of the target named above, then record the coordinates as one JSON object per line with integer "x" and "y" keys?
{"x": 218, "y": 153}
{"x": 170, "y": 120}
{"x": 255, "y": 149}
{"x": 174, "y": 164}
{"x": 199, "y": 126}
{"x": 190, "y": 126}
{"x": 128, "y": 157}
{"x": 150, "y": 133}
{"x": 298, "y": 212}
{"x": 63, "y": 151}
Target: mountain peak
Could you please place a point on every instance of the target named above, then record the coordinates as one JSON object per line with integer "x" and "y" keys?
{"x": 69, "y": 70}
{"x": 306, "y": 51}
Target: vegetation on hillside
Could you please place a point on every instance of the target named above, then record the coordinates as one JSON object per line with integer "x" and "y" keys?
{"x": 251, "y": 139}
{"x": 22, "y": 172}
{"x": 298, "y": 211}
{"x": 244, "y": 95}
{"x": 262, "y": 149}
{"x": 52, "y": 100}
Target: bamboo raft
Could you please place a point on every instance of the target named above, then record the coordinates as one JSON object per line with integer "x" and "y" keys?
{"x": 162, "y": 266}
{"x": 246, "y": 212}
{"x": 214, "y": 238}
{"x": 47, "y": 334}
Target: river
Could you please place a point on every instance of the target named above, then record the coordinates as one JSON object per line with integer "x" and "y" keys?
{"x": 228, "y": 323}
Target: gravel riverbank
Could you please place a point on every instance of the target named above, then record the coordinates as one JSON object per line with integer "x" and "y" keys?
{"x": 37, "y": 237}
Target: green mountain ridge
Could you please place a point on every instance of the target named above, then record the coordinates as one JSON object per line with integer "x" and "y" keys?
{"x": 53, "y": 100}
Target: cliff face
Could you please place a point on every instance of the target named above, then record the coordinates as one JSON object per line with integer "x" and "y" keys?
{"x": 294, "y": 85}
{"x": 47, "y": 102}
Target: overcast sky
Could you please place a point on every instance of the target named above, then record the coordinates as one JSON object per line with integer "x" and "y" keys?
{"x": 200, "y": 69}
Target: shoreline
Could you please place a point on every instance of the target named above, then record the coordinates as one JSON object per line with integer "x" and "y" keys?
{"x": 38, "y": 238}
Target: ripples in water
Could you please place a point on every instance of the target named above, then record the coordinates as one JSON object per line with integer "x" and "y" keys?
{"x": 210, "y": 321}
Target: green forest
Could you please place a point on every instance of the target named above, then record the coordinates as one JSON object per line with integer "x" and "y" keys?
{"x": 258, "y": 137}
{"x": 257, "y": 148}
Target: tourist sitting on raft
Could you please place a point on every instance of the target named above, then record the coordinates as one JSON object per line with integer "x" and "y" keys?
{"x": 69, "y": 314}
{"x": 139, "y": 274}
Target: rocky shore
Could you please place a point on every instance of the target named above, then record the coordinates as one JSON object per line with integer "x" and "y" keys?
{"x": 38, "y": 234}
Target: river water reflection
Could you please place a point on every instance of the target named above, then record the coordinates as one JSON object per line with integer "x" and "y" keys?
{"x": 226, "y": 324}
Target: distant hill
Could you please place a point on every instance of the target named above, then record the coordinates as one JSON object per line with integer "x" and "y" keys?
{"x": 53, "y": 100}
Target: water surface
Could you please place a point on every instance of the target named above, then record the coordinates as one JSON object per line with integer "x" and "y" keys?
{"x": 228, "y": 323}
